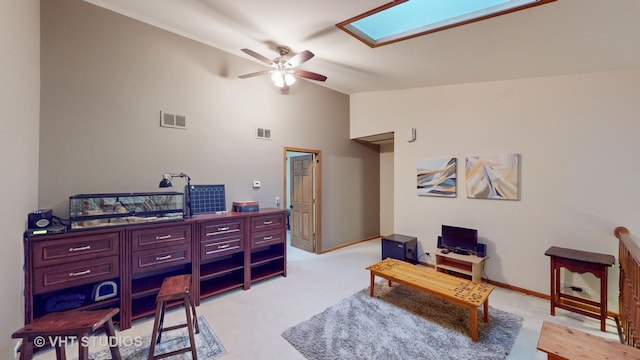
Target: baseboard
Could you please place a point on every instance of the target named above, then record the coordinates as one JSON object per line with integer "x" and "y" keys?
{"x": 349, "y": 244}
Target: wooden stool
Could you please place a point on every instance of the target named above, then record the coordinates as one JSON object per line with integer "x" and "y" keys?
{"x": 174, "y": 288}
{"x": 56, "y": 327}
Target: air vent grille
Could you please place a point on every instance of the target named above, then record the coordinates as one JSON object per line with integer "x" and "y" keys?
{"x": 173, "y": 121}
{"x": 263, "y": 133}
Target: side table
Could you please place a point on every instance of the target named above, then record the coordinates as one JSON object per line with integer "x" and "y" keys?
{"x": 580, "y": 262}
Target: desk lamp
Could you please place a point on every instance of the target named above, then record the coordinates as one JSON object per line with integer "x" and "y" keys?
{"x": 166, "y": 183}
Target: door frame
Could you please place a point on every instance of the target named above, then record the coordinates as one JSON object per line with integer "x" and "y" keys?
{"x": 318, "y": 189}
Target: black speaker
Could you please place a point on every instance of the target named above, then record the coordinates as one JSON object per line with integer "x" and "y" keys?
{"x": 39, "y": 219}
{"x": 400, "y": 247}
{"x": 439, "y": 242}
{"x": 481, "y": 250}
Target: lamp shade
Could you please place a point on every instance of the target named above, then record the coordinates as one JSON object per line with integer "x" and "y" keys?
{"x": 165, "y": 183}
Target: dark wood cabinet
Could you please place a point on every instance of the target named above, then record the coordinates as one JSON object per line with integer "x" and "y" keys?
{"x": 157, "y": 251}
{"x": 222, "y": 243}
{"x": 62, "y": 270}
{"x": 268, "y": 246}
{"x": 222, "y": 252}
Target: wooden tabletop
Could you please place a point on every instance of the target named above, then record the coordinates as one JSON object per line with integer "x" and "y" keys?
{"x": 580, "y": 255}
{"x": 563, "y": 342}
{"x": 453, "y": 288}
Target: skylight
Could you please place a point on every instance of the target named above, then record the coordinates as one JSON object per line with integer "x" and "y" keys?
{"x": 404, "y": 19}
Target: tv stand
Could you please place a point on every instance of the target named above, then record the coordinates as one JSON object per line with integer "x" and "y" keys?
{"x": 469, "y": 264}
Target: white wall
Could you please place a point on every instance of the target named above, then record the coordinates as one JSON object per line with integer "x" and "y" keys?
{"x": 20, "y": 103}
{"x": 578, "y": 140}
{"x": 105, "y": 79}
{"x": 386, "y": 189}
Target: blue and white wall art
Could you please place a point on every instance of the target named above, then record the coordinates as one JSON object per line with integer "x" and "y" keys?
{"x": 437, "y": 177}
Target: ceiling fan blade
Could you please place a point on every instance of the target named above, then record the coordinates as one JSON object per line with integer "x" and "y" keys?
{"x": 257, "y": 73}
{"x": 310, "y": 75}
{"x": 300, "y": 58}
{"x": 262, "y": 58}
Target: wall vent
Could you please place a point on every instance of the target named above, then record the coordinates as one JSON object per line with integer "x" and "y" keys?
{"x": 173, "y": 121}
{"x": 263, "y": 133}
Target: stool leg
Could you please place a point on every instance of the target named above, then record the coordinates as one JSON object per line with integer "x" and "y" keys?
{"x": 161, "y": 323}
{"x": 111, "y": 334}
{"x": 192, "y": 339}
{"x": 26, "y": 350}
{"x": 156, "y": 320}
{"x": 61, "y": 352}
{"x": 195, "y": 317}
{"x": 83, "y": 350}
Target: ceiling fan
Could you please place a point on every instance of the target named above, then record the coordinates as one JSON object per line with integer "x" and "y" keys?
{"x": 283, "y": 70}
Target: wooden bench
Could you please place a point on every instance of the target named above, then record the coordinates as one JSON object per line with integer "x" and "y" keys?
{"x": 455, "y": 290}
{"x": 564, "y": 343}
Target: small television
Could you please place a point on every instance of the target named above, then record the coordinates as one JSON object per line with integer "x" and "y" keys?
{"x": 459, "y": 240}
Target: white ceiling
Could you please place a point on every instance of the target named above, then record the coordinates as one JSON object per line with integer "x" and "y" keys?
{"x": 562, "y": 37}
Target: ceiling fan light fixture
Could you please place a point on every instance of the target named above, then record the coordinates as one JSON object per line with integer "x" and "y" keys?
{"x": 278, "y": 78}
{"x": 289, "y": 79}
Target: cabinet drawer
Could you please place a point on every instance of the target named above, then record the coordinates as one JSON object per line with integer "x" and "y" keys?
{"x": 267, "y": 238}
{"x": 221, "y": 229}
{"x": 73, "y": 274}
{"x": 160, "y": 258}
{"x": 265, "y": 222}
{"x": 60, "y": 251}
{"x": 214, "y": 248}
{"x": 160, "y": 236}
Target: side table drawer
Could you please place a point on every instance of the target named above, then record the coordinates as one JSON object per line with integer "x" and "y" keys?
{"x": 265, "y": 222}
{"x": 53, "y": 252}
{"x": 153, "y": 259}
{"x": 162, "y": 236}
{"x": 267, "y": 238}
{"x": 214, "y": 248}
{"x": 73, "y": 274}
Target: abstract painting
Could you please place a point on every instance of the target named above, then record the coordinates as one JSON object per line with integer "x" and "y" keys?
{"x": 493, "y": 176}
{"x": 437, "y": 177}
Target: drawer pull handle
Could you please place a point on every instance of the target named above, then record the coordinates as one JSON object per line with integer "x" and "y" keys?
{"x": 163, "y": 237}
{"x": 224, "y": 228}
{"x": 81, "y": 248}
{"x": 160, "y": 258}
{"x": 80, "y": 273}
{"x": 267, "y": 238}
{"x": 223, "y": 246}
{"x": 267, "y": 222}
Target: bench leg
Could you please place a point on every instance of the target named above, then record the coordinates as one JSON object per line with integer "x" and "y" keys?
{"x": 486, "y": 310}
{"x": 473, "y": 312}
{"x": 372, "y": 283}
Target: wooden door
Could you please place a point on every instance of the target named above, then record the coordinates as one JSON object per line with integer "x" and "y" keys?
{"x": 302, "y": 217}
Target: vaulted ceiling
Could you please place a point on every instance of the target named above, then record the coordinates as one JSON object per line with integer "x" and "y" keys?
{"x": 559, "y": 38}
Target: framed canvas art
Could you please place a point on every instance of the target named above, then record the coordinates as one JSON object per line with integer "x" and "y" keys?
{"x": 493, "y": 176}
{"x": 437, "y": 177}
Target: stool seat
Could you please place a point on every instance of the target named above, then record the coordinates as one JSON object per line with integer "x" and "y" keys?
{"x": 76, "y": 323}
{"x": 174, "y": 288}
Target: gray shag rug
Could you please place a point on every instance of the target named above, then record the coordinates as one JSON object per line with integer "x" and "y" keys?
{"x": 208, "y": 345}
{"x": 402, "y": 323}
